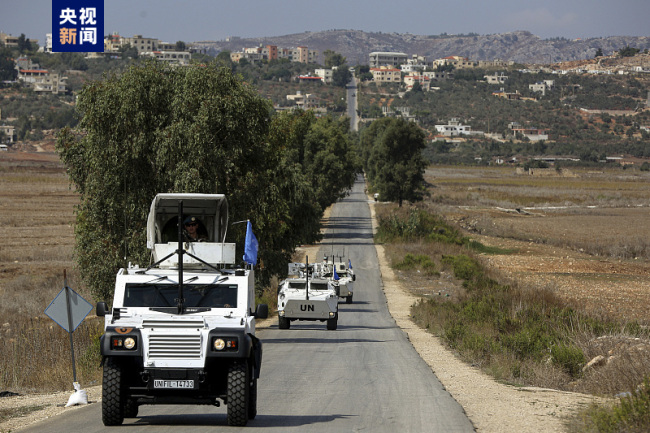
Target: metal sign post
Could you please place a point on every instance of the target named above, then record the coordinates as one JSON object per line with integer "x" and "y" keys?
{"x": 68, "y": 310}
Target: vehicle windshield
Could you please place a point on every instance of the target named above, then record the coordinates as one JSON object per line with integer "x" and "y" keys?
{"x": 165, "y": 295}
{"x": 297, "y": 284}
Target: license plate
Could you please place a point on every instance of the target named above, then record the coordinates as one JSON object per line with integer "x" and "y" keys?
{"x": 173, "y": 384}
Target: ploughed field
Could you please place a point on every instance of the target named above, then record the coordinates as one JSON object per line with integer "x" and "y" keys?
{"x": 37, "y": 214}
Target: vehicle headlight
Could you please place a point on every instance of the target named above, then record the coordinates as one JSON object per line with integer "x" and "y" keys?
{"x": 225, "y": 344}
{"x": 129, "y": 343}
{"x": 123, "y": 343}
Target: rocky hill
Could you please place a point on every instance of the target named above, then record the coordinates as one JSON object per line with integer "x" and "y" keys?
{"x": 519, "y": 46}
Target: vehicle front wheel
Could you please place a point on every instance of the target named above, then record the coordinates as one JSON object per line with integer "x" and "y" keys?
{"x": 283, "y": 322}
{"x": 332, "y": 323}
{"x": 238, "y": 394}
{"x": 131, "y": 408}
{"x": 113, "y": 400}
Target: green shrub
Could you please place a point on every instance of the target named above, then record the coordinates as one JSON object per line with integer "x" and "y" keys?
{"x": 465, "y": 268}
{"x": 631, "y": 415}
{"x": 568, "y": 357}
{"x": 418, "y": 261}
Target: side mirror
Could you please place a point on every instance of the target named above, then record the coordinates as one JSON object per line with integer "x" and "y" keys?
{"x": 262, "y": 311}
{"x": 102, "y": 309}
{"x": 354, "y": 277}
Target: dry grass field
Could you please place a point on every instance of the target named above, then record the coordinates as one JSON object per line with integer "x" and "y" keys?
{"x": 37, "y": 215}
{"x": 586, "y": 237}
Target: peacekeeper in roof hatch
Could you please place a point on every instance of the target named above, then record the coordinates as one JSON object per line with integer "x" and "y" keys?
{"x": 193, "y": 230}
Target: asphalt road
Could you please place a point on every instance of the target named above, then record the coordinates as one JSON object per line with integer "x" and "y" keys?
{"x": 365, "y": 376}
{"x": 353, "y": 104}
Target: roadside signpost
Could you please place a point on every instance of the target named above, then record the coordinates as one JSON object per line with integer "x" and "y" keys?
{"x": 68, "y": 310}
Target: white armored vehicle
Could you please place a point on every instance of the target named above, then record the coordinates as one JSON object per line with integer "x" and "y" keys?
{"x": 342, "y": 277}
{"x": 182, "y": 331}
{"x": 307, "y": 295}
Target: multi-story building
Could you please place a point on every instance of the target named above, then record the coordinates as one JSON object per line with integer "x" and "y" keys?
{"x": 454, "y": 127}
{"x": 542, "y": 86}
{"x": 142, "y": 44}
{"x": 42, "y": 80}
{"x": 410, "y": 80}
{"x": 496, "y": 78}
{"x": 325, "y": 74}
{"x": 112, "y": 43}
{"x": 385, "y": 74}
{"x": 176, "y": 57}
{"x": 12, "y": 41}
{"x": 272, "y": 52}
{"x": 9, "y": 134}
{"x": 457, "y": 61}
{"x": 252, "y": 57}
{"x": 305, "y": 101}
{"x": 533, "y": 134}
{"x": 438, "y": 75}
{"x": 379, "y": 58}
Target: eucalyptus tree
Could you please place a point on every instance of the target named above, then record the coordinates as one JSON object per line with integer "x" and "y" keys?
{"x": 395, "y": 162}
{"x": 157, "y": 129}
{"x": 197, "y": 129}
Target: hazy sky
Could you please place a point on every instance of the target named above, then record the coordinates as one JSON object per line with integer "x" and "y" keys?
{"x": 196, "y": 20}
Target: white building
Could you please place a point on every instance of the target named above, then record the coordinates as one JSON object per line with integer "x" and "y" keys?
{"x": 379, "y": 58}
{"x": 175, "y": 57}
{"x": 304, "y": 101}
{"x": 325, "y": 74}
{"x": 454, "y": 127}
{"x": 496, "y": 78}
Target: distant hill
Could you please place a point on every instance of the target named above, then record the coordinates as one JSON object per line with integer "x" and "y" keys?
{"x": 519, "y": 46}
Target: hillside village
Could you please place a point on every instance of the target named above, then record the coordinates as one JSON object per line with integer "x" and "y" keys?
{"x": 386, "y": 71}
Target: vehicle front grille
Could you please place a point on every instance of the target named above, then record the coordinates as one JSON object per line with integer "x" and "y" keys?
{"x": 176, "y": 346}
{"x": 174, "y": 339}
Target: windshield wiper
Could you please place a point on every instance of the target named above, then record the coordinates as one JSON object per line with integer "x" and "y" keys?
{"x": 155, "y": 280}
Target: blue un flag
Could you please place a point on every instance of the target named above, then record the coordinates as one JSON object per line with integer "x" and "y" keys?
{"x": 250, "y": 246}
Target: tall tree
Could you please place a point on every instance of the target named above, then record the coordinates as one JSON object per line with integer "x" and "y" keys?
{"x": 396, "y": 161}
{"x": 7, "y": 66}
{"x": 329, "y": 160}
{"x": 158, "y": 129}
{"x": 341, "y": 76}
{"x": 333, "y": 58}
{"x": 197, "y": 129}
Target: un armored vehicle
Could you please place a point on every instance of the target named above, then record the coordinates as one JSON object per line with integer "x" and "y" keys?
{"x": 341, "y": 276}
{"x": 307, "y": 295}
{"x": 182, "y": 330}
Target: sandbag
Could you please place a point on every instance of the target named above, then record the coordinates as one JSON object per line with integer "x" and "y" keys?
{"x": 80, "y": 396}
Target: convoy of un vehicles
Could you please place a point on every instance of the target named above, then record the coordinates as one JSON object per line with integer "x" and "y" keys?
{"x": 182, "y": 331}
{"x": 312, "y": 292}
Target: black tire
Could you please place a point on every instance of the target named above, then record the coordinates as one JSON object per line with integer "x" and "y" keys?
{"x": 284, "y": 323}
{"x": 332, "y": 323}
{"x": 131, "y": 408}
{"x": 238, "y": 394}
{"x": 113, "y": 400}
{"x": 348, "y": 300}
{"x": 252, "y": 400}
